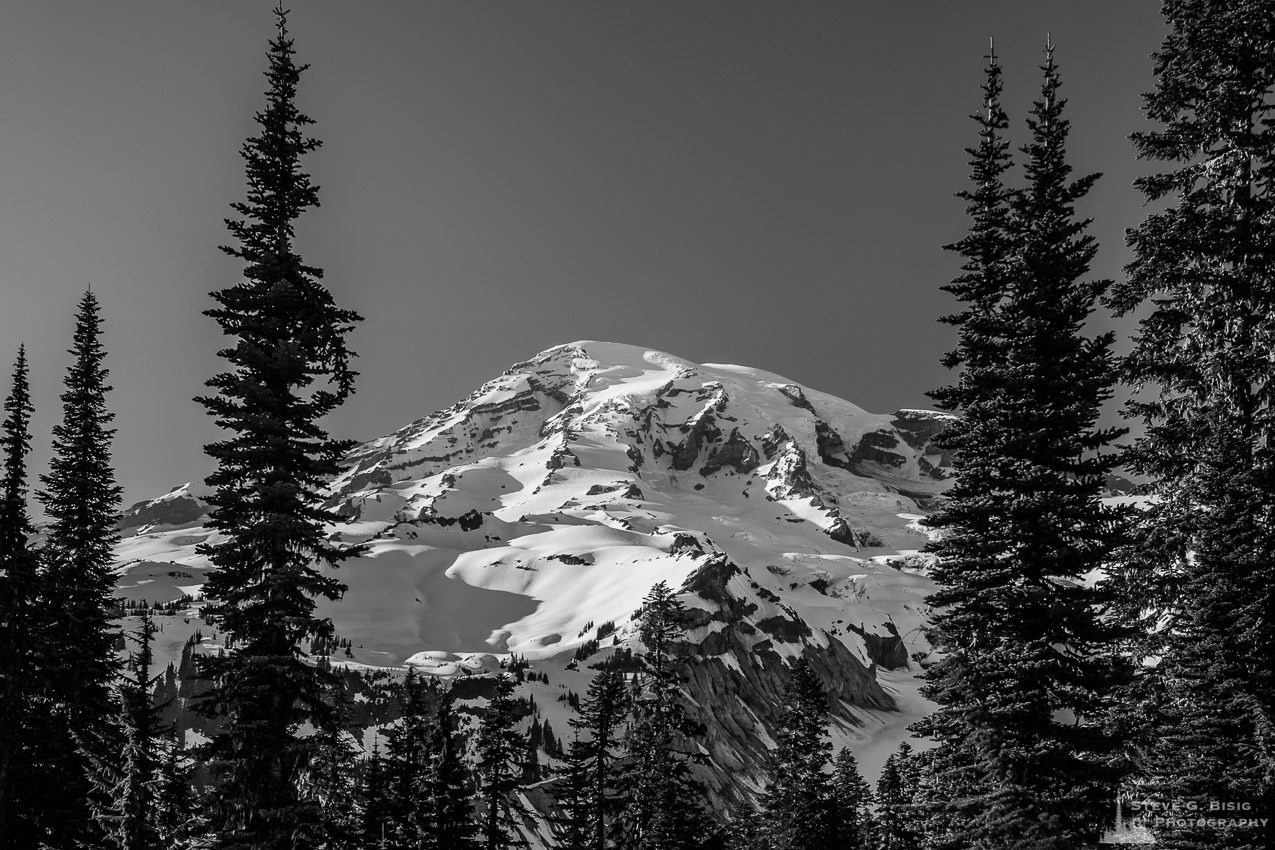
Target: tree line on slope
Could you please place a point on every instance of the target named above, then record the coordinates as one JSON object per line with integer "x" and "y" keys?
{"x": 1085, "y": 650}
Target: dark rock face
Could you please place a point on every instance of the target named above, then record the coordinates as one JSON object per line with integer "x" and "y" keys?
{"x": 797, "y": 397}
{"x": 470, "y": 520}
{"x": 831, "y": 448}
{"x": 179, "y": 510}
{"x": 886, "y": 650}
{"x": 876, "y": 447}
{"x": 736, "y": 701}
{"x": 702, "y": 431}
{"x": 841, "y": 532}
{"x": 736, "y": 453}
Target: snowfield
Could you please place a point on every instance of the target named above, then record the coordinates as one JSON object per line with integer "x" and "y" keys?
{"x": 532, "y": 517}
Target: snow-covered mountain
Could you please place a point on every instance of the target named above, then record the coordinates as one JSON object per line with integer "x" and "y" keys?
{"x": 533, "y": 516}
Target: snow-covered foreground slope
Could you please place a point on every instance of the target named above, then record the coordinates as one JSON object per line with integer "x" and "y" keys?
{"x": 533, "y": 516}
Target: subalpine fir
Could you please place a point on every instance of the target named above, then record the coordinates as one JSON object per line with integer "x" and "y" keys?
{"x": 1030, "y": 661}
{"x": 499, "y": 747}
{"x": 600, "y": 718}
{"x": 19, "y": 624}
{"x": 1201, "y": 573}
{"x": 77, "y": 663}
{"x": 287, "y": 367}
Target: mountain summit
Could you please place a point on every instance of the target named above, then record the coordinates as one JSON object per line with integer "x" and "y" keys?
{"x": 533, "y": 516}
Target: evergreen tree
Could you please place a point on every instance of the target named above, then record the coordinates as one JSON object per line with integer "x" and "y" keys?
{"x": 332, "y": 781}
{"x": 574, "y": 820}
{"x": 450, "y": 814}
{"x": 600, "y": 714}
{"x": 288, "y": 367}
{"x": 175, "y": 810}
{"x": 663, "y": 802}
{"x": 898, "y": 824}
{"x": 500, "y": 748}
{"x": 851, "y": 804}
{"x": 1030, "y": 659}
{"x": 124, "y": 756}
{"x": 375, "y": 798}
{"x": 77, "y": 662}
{"x": 797, "y": 805}
{"x": 405, "y": 811}
{"x": 18, "y": 622}
{"x": 1202, "y": 569}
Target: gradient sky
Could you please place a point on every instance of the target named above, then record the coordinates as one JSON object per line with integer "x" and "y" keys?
{"x": 766, "y": 183}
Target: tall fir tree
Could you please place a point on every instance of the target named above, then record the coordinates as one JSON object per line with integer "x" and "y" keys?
{"x": 898, "y": 824}
{"x": 451, "y": 812}
{"x": 77, "y": 663}
{"x": 851, "y": 804}
{"x": 407, "y": 765}
{"x": 19, "y": 633}
{"x": 124, "y": 756}
{"x": 574, "y": 818}
{"x": 600, "y": 717}
{"x": 797, "y": 804}
{"x": 176, "y": 817}
{"x": 288, "y": 367}
{"x": 1202, "y": 569}
{"x": 663, "y": 801}
{"x": 500, "y": 747}
{"x": 1030, "y": 656}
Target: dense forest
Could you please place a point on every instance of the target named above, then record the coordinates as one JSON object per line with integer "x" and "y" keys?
{"x": 1094, "y": 655}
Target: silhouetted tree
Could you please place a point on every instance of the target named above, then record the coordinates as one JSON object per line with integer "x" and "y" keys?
{"x": 1030, "y": 660}
{"x": 19, "y": 624}
{"x": 601, "y": 713}
{"x": 797, "y": 804}
{"x": 499, "y": 747}
{"x": 1201, "y": 574}
{"x": 77, "y": 663}
{"x": 288, "y": 366}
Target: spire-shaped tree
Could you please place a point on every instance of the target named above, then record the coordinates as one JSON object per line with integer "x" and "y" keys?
{"x": 851, "y": 804}
{"x": 663, "y": 802}
{"x": 1202, "y": 569}
{"x": 898, "y": 823}
{"x": 18, "y": 622}
{"x": 797, "y": 804}
{"x": 575, "y": 815}
{"x": 1029, "y": 666}
{"x": 500, "y": 747}
{"x": 600, "y": 715}
{"x": 77, "y": 648}
{"x": 288, "y": 367}
{"x": 451, "y": 814}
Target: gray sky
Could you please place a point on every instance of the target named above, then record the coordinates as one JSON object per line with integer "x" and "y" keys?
{"x": 765, "y": 183}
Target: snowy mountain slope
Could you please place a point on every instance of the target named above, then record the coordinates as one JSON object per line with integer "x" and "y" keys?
{"x": 532, "y": 517}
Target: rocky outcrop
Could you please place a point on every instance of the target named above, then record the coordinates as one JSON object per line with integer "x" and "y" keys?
{"x": 176, "y": 508}
{"x": 736, "y": 453}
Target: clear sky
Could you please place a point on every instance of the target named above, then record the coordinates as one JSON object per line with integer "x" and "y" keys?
{"x": 765, "y": 183}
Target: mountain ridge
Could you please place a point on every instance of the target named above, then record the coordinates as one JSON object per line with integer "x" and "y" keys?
{"x": 531, "y": 518}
